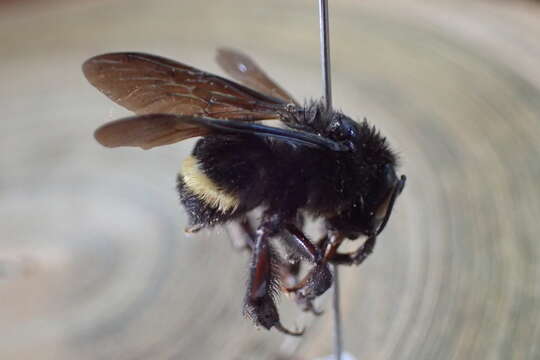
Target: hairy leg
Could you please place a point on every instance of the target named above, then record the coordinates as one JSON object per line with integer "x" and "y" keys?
{"x": 319, "y": 278}
{"x": 263, "y": 284}
{"x": 289, "y": 269}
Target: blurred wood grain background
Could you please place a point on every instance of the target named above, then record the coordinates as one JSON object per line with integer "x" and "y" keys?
{"x": 93, "y": 260}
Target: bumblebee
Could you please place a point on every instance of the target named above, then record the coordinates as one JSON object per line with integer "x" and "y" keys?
{"x": 319, "y": 163}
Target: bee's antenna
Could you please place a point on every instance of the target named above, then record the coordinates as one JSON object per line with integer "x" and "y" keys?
{"x": 327, "y": 88}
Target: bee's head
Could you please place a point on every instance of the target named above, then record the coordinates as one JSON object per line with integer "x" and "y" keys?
{"x": 375, "y": 182}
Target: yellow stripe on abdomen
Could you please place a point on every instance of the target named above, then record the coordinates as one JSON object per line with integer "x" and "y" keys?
{"x": 205, "y": 189}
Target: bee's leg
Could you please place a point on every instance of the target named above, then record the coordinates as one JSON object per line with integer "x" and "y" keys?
{"x": 289, "y": 269}
{"x": 263, "y": 284}
{"x": 290, "y": 272}
{"x": 356, "y": 257}
{"x": 306, "y": 303}
{"x": 323, "y": 242}
{"x": 246, "y": 240}
{"x": 319, "y": 278}
{"x": 306, "y": 248}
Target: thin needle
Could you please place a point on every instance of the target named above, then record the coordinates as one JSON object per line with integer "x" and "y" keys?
{"x": 338, "y": 336}
{"x": 325, "y": 52}
{"x": 327, "y": 86}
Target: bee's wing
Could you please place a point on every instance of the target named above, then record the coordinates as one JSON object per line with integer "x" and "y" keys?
{"x": 243, "y": 69}
{"x": 147, "y": 84}
{"x": 151, "y": 130}
{"x": 147, "y": 131}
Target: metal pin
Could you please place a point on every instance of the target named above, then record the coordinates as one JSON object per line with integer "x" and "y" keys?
{"x": 338, "y": 336}
{"x": 325, "y": 52}
{"x": 327, "y": 89}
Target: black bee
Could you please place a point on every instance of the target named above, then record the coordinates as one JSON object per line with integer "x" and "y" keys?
{"x": 321, "y": 164}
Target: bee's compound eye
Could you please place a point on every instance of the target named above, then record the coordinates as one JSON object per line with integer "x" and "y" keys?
{"x": 390, "y": 177}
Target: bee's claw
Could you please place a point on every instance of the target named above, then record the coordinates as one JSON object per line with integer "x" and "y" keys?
{"x": 193, "y": 229}
{"x": 286, "y": 331}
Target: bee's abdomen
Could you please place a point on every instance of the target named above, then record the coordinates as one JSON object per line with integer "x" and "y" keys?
{"x": 200, "y": 211}
{"x": 206, "y": 189}
{"x": 223, "y": 178}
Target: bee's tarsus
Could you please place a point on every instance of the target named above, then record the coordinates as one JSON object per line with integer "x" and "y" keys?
{"x": 279, "y": 327}
{"x": 192, "y": 229}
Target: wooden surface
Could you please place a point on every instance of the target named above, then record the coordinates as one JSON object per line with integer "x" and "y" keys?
{"x": 93, "y": 260}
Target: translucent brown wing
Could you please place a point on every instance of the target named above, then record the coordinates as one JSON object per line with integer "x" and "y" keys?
{"x": 147, "y": 131}
{"x": 243, "y": 69}
{"x": 146, "y": 84}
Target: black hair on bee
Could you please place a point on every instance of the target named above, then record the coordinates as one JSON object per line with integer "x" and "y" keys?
{"x": 320, "y": 163}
